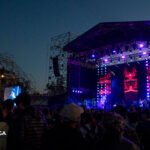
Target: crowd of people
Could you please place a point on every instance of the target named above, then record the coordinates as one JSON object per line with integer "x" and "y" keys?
{"x": 72, "y": 127}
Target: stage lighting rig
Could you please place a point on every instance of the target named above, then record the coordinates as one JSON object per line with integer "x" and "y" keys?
{"x": 139, "y": 54}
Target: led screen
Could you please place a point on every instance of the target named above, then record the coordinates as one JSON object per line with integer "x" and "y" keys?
{"x": 11, "y": 92}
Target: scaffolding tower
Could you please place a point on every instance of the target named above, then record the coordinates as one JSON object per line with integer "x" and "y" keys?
{"x": 11, "y": 75}
{"x": 57, "y": 74}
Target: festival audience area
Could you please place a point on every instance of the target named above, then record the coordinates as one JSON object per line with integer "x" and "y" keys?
{"x": 72, "y": 127}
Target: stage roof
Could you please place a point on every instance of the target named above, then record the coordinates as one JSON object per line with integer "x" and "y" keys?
{"x": 110, "y": 33}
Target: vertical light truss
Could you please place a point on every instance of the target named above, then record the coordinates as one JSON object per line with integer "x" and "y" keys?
{"x": 147, "y": 79}
{"x": 105, "y": 84}
{"x": 98, "y": 87}
{"x": 102, "y": 87}
{"x": 101, "y": 84}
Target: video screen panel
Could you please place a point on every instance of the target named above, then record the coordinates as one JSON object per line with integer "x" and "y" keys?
{"x": 12, "y": 92}
{"x": 124, "y": 83}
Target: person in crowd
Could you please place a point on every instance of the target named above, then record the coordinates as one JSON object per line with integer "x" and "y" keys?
{"x": 56, "y": 119}
{"x": 113, "y": 135}
{"x": 8, "y": 111}
{"x": 129, "y": 131}
{"x": 47, "y": 115}
{"x": 29, "y": 127}
{"x": 133, "y": 119}
{"x": 8, "y": 116}
{"x": 3, "y": 131}
{"x": 89, "y": 128}
{"x": 144, "y": 129}
{"x": 67, "y": 136}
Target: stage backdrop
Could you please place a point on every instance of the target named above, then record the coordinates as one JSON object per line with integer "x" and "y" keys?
{"x": 128, "y": 83}
{"x": 84, "y": 79}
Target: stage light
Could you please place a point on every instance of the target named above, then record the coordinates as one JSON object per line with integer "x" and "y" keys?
{"x": 123, "y": 56}
{"x": 2, "y": 76}
{"x": 106, "y": 60}
{"x": 144, "y": 53}
{"x": 114, "y": 105}
{"x": 93, "y": 55}
{"x": 114, "y": 51}
{"x": 141, "y": 45}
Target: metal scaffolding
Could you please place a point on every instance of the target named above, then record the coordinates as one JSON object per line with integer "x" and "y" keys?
{"x": 57, "y": 84}
{"x": 11, "y": 75}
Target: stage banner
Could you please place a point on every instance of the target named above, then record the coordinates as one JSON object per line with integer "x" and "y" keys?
{"x": 130, "y": 84}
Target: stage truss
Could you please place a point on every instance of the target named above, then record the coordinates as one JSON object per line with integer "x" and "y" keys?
{"x": 142, "y": 53}
{"x": 57, "y": 84}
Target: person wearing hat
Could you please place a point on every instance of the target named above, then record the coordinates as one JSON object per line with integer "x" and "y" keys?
{"x": 67, "y": 136}
{"x": 71, "y": 114}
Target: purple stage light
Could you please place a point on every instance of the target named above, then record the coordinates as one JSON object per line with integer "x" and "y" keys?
{"x": 106, "y": 60}
{"x": 144, "y": 53}
{"x": 114, "y": 51}
{"x": 93, "y": 56}
{"x": 123, "y": 56}
{"x": 114, "y": 105}
{"x": 141, "y": 45}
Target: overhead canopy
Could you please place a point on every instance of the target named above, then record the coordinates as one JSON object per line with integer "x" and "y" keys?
{"x": 111, "y": 33}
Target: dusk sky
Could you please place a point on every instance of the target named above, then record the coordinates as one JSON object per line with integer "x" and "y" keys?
{"x": 26, "y": 26}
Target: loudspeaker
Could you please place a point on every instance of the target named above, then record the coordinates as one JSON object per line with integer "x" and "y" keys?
{"x": 56, "y": 66}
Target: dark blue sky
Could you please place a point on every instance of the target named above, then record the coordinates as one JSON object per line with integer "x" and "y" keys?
{"x": 27, "y": 25}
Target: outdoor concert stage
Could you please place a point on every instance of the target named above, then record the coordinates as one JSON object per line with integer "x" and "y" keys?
{"x": 110, "y": 65}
